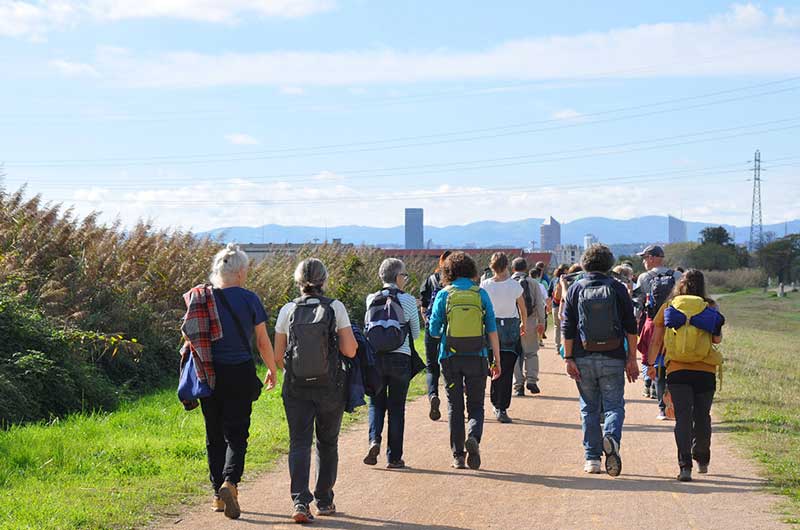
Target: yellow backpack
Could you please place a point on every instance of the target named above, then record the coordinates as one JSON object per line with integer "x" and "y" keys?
{"x": 687, "y": 343}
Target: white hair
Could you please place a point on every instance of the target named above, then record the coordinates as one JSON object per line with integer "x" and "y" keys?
{"x": 311, "y": 275}
{"x": 389, "y": 270}
{"x": 228, "y": 263}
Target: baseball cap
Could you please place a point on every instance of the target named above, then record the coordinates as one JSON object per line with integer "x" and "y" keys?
{"x": 652, "y": 250}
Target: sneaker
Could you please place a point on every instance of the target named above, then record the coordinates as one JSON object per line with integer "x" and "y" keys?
{"x": 520, "y": 392}
{"x": 613, "y": 460}
{"x": 397, "y": 464}
{"x": 230, "y": 496}
{"x": 541, "y": 344}
{"x": 326, "y": 509}
{"x": 473, "y": 453}
{"x": 458, "y": 462}
{"x": 302, "y": 514}
{"x": 502, "y": 417}
{"x": 685, "y": 474}
{"x": 533, "y": 388}
{"x": 217, "y": 505}
{"x": 434, "y": 413}
{"x": 702, "y": 468}
{"x": 646, "y": 391}
{"x": 592, "y": 466}
{"x": 661, "y": 415}
{"x": 653, "y": 393}
{"x": 372, "y": 455}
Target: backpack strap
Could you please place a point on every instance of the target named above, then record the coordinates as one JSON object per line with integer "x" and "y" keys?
{"x": 239, "y": 326}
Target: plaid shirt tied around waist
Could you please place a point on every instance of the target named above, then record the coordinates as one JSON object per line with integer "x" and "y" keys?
{"x": 201, "y": 326}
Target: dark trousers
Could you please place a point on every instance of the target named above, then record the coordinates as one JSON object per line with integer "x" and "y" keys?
{"x": 661, "y": 386}
{"x": 320, "y": 411}
{"x": 692, "y": 394}
{"x": 433, "y": 370}
{"x": 465, "y": 376}
{"x": 396, "y": 370}
{"x": 502, "y": 387}
{"x": 227, "y": 418}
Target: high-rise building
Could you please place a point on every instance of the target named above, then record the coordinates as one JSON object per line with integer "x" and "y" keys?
{"x": 567, "y": 254}
{"x": 589, "y": 240}
{"x": 676, "y": 230}
{"x": 550, "y": 234}
{"x": 414, "y": 232}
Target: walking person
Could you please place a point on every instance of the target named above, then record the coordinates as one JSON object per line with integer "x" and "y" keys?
{"x": 689, "y": 326}
{"x": 556, "y": 303}
{"x": 462, "y": 316}
{"x": 310, "y": 335}
{"x": 238, "y": 313}
{"x": 597, "y": 318}
{"x": 526, "y": 370}
{"x": 391, "y": 326}
{"x": 511, "y": 318}
{"x": 427, "y": 293}
{"x": 653, "y": 287}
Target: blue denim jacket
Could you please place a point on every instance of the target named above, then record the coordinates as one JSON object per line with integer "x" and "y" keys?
{"x": 438, "y": 321}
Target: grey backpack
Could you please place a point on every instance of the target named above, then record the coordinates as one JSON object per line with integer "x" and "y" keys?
{"x": 312, "y": 352}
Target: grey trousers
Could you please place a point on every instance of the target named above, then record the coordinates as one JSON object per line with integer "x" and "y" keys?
{"x": 526, "y": 370}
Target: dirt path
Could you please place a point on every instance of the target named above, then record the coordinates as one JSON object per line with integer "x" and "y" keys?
{"x": 532, "y": 477}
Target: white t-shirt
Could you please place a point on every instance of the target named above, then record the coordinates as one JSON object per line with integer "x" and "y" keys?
{"x": 342, "y": 319}
{"x": 504, "y": 296}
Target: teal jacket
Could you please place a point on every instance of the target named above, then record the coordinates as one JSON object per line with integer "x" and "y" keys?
{"x": 438, "y": 321}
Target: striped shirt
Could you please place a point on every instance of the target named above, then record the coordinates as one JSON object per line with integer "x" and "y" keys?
{"x": 411, "y": 313}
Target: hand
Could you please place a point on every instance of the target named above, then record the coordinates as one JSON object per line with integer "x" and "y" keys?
{"x": 540, "y": 329}
{"x": 652, "y": 373}
{"x": 572, "y": 370}
{"x": 270, "y": 380}
{"x": 522, "y": 329}
{"x": 495, "y": 370}
{"x": 632, "y": 370}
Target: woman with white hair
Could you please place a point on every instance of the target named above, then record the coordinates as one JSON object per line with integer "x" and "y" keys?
{"x": 227, "y": 411}
{"x": 310, "y": 335}
{"x": 395, "y": 361}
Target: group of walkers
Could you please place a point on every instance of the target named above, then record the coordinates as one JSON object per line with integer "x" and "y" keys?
{"x": 474, "y": 329}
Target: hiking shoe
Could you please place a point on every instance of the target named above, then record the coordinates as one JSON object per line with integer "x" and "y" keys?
{"x": 302, "y": 514}
{"x": 661, "y": 415}
{"x": 533, "y": 388}
{"x": 520, "y": 392}
{"x": 458, "y": 462}
{"x": 473, "y": 453}
{"x": 372, "y": 455}
{"x": 397, "y": 464}
{"x": 326, "y": 509}
{"x": 230, "y": 496}
{"x": 434, "y": 413}
{"x": 702, "y": 468}
{"x": 217, "y": 505}
{"x": 685, "y": 475}
{"x": 592, "y": 466}
{"x": 502, "y": 417}
{"x": 613, "y": 461}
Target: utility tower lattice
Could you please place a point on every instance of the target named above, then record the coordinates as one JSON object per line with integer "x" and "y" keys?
{"x": 756, "y": 227}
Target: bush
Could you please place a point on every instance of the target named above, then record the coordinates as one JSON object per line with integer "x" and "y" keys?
{"x": 734, "y": 280}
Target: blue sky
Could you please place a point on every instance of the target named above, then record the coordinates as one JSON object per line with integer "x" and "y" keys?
{"x": 210, "y": 113}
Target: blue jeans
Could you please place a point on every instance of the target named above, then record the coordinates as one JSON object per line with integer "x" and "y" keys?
{"x": 602, "y": 385}
{"x": 396, "y": 369}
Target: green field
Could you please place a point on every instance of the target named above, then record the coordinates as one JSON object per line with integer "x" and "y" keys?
{"x": 122, "y": 469}
{"x": 760, "y": 394}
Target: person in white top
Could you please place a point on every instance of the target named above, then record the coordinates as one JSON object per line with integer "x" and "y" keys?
{"x": 507, "y": 299}
{"x": 396, "y": 370}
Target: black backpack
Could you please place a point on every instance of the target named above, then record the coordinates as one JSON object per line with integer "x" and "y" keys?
{"x": 599, "y": 322}
{"x": 661, "y": 285}
{"x": 526, "y": 293}
{"x": 436, "y": 287}
{"x": 312, "y": 351}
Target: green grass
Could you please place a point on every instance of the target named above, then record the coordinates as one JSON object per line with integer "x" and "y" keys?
{"x": 760, "y": 394}
{"x": 120, "y": 469}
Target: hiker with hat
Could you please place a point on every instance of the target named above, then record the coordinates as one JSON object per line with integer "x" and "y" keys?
{"x": 653, "y": 288}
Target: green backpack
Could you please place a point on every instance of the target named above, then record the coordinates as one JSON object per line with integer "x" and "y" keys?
{"x": 465, "y": 314}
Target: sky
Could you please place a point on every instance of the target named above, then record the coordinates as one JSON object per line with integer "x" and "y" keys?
{"x": 208, "y": 113}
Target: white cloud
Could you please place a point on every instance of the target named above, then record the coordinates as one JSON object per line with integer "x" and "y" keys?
{"x": 785, "y": 19}
{"x": 328, "y": 176}
{"x": 730, "y": 44}
{"x": 293, "y": 90}
{"x": 567, "y": 115}
{"x": 241, "y": 139}
{"x": 71, "y": 69}
{"x": 33, "y": 19}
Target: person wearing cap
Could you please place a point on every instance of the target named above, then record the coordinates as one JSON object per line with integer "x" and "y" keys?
{"x": 655, "y": 270}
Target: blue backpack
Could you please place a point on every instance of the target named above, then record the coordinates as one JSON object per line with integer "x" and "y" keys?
{"x": 386, "y": 326}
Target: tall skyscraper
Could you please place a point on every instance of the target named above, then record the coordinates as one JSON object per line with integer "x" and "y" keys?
{"x": 676, "y": 230}
{"x": 415, "y": 238}
{"x": 550, "y": 234}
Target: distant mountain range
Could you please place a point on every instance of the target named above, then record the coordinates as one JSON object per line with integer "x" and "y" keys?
{"x": 518, "y": 234}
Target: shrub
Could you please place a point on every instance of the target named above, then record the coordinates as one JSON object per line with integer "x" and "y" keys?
{"x": 734, "y": 280}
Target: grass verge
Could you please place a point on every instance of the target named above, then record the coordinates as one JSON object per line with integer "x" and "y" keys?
{"x": 760, "y": 396}
{"x": 121, "y": 469}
